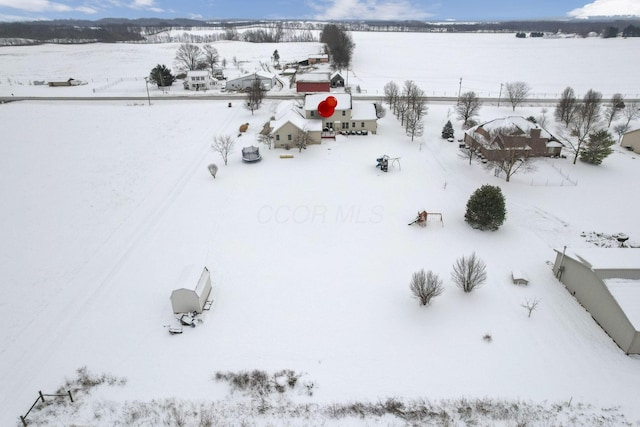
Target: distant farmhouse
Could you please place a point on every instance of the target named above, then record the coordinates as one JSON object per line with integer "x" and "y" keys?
{"x": 631, "y": 140}
{"x": 267, "y": 81}
{"x": 313, "y": 59}
{"x": 348, "y": 117}
{"x": 198, "y": 80}
{"x": 497, "y": 139}
{"x": 606, "y": 282}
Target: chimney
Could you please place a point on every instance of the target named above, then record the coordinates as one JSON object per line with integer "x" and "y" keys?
{"x": 534, "y": 133}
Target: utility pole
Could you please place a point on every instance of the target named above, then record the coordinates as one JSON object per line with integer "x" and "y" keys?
{"x": 500, "y": 94}
{"x": 459, "y": 90}
{"x": 146, "y": 82}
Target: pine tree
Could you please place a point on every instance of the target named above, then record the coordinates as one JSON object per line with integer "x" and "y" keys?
{"x": 486, "y": 208}
{"x": 598, "y": 147}
{"x": 161, "y": 76}
{"x": 447, "y": 130}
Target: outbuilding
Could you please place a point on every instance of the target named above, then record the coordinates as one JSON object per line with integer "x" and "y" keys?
{"x": 188, "y": 300}
{"x": 313, "y": 82}
{"x": 631, "y": 140}
{"x": 606, "y": 282}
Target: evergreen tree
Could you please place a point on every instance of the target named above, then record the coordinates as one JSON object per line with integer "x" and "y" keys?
{"x": 161, "y": 76}
{"x": 447, "y": 130}
{"x": 340, "y": 45}
{"x": 598, "y": 147}
{"x": 486, "y": 208}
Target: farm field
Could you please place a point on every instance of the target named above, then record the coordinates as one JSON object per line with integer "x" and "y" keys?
{"x": 106, "y": 203}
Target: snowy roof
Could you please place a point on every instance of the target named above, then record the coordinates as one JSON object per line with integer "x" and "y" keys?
{"x": 257, "y": 74}
{"x": 554, "y": 144}
{"x": 296, "y": 119}
{"x": 197, "y": 73}
{"x": 606, "y": 258}
{"x": 313, "y": 77}
{"x": 626, "y": 292}
{"x": 284, "y": 108}
{"x": 363, "y": 111}
{"x": 513, "y": 125}
{"x": 312, "y": 100}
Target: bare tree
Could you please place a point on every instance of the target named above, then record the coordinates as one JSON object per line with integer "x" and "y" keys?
{"x": 426, "y": 286}
{"x": 620, "y": 129}
{"x": 415, "y": 98}
{"x": 402, "y": 106}
{"x": 511, "y": 162}
{"x": 585, "y": 121}
{"x": 542, "y": 118}
{"x": 517, "y": 92}
{"x": 391, "y": 94}
{"x": 613, "y": 108}
{"x": 302, "y": 139}
{"x": 530, "y": 305}
{"x": 468, "y": 106}
{"x": 414, "y": 124}
{"x": 210, "y": 56}
{"x": 566, "y": 107}
{"x": 255, "y": 96}
{"x": 266, "y": 139}
{"x": 223, "y": 145}
{"x": 469, "y": 272}
{"x": 631, "y": 111}
{"x": 189, "y": 57}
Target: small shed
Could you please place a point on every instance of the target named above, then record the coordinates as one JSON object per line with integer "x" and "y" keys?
{"x": 188, "y": 300}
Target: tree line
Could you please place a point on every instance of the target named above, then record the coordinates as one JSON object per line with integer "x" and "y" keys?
{"x": 408, "y": 104}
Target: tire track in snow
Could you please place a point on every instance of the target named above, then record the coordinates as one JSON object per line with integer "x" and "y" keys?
{"x": 53, "y": 337}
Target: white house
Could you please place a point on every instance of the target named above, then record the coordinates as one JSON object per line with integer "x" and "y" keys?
{"x": 347, "y": 116}
{"x": 267, "y": 81}
{"x": 188, "y": 300}
{"x": 289, "y": 122}
{"x": 199, "y": 80}
{"x": 290, "y": 119}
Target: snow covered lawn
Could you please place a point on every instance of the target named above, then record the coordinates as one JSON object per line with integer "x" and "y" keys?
{"x": 104, "y": 204}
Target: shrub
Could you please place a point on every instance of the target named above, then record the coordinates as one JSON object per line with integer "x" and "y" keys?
{"x": 486, "y": 208}
{"x": 426, "y": 286}
{"x": 469, "y": 272}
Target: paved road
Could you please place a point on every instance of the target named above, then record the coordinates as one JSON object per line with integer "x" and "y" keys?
{"x": 241, "y": 96}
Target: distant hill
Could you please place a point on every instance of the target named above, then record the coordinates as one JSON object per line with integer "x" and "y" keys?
{"x": 111, "y": 30}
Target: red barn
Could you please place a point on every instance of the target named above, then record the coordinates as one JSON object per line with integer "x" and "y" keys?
{"x": 313, "y": 82}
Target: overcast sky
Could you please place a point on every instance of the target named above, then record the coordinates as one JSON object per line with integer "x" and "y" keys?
{"x": 432, "y": 10}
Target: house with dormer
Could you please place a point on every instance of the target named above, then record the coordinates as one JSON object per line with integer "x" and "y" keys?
{"x": 500, "y": 138}
{"x": 292, "y": 118}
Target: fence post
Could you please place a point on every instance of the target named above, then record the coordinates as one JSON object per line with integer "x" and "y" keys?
{"x": 24, "y": 422}
{"x": 41, "y": 396}
{"x": 70, "y": 396}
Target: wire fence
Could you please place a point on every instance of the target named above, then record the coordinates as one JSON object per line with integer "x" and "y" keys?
{"x": 40, "y": 399}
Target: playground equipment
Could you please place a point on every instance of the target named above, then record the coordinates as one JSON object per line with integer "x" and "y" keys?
{"x": 384, "y": 161}
{"x": 423, "y": 217}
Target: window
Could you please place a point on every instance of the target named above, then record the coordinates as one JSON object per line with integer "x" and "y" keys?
{"x": 278, "y": 137}
{"x": 344, "y": 113}
{"x": 289, "y": 137}
{"x": 362, "y": 124}
{"x": 313, "y": 113}
{"x": 353, "y": 124}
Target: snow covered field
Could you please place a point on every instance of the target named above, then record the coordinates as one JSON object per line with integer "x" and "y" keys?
{"x": 106, "y": 203}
